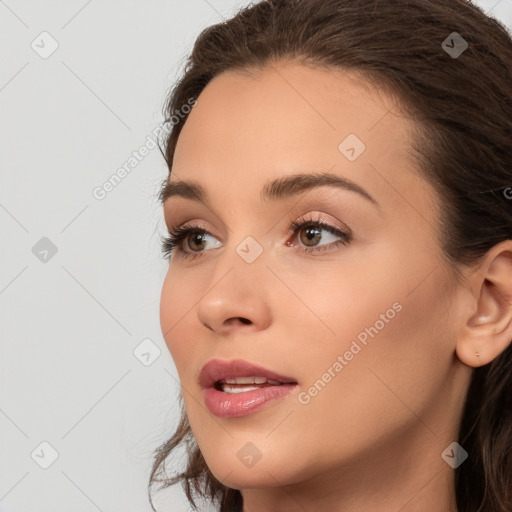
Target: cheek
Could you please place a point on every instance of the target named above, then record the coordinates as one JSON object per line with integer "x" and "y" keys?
{"x": 390, "y": 325}
{"x": 167, "y": 305}
{"x": 176, "y": 314}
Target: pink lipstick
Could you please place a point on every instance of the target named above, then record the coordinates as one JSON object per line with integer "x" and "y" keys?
{"x": 238, "y": 388}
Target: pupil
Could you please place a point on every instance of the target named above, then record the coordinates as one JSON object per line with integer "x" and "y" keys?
{"x": 311, "y": 233}
{"x": 198, "y": 238}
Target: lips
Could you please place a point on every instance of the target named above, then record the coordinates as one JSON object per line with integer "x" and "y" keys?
{"x": 217, "y": 373}
{"x": 239, "y": 388}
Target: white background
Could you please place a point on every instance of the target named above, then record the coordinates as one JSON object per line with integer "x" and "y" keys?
{"x": 69, "y": 326}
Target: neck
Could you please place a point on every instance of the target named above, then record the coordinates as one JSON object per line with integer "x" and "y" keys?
{"x": 403, "y": 476}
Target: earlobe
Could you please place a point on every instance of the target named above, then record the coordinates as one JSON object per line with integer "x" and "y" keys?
{"x": 469, "y": 357}
{"x": 488, "y": 329}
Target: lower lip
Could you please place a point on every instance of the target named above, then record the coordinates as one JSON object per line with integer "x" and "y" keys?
{"x": 232, "y": 405}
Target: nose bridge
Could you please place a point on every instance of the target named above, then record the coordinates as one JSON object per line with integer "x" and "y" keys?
{"x": 247, "y": 243}
{"x": 242, "y": 263}
{"x": 237, "y": 286}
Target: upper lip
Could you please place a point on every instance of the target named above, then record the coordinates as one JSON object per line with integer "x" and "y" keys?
{"x": 217, "y": 369}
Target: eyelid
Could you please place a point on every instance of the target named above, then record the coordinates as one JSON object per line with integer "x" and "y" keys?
{"x": 178, "y": 235}
{"x": 316, "y": 219}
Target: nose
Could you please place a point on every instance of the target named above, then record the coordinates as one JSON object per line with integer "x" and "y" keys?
{"x": 237, "y": 298}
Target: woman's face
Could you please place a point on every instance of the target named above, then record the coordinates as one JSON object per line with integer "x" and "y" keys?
{"x": 361, "y": 324}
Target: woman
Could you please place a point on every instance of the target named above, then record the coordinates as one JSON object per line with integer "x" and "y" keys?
{"x": 338, "y": 302}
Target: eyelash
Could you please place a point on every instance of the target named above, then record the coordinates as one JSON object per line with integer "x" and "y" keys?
{"x": 177, "y": 237}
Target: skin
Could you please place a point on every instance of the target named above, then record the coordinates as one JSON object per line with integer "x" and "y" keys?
{"x": 372, "y": 438}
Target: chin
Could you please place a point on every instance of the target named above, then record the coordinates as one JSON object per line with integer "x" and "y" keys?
{"x": 235, "y": 476}
{"x": 242, "y": 467}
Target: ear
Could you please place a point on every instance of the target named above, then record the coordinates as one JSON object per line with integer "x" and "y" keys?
{"x": 487, "y": 319}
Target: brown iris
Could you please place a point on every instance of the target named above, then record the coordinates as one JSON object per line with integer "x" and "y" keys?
{"x": 311, "y": 233}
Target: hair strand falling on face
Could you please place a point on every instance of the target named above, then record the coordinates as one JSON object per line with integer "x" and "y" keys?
{"x": 463, "y": 113}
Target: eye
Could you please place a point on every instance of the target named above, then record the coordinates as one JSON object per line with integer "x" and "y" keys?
{"x": 190, "y": 241}
{"x": 309, "y": 234}
{"x": 180, "y": 237}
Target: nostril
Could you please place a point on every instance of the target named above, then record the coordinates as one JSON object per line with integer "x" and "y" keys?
{"x": 238, "y": 319}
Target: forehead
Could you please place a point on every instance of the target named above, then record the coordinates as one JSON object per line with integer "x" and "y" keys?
{"x": 249, "y": 128}
{"x": 285, "y": 102}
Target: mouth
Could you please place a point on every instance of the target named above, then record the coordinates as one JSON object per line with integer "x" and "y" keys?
{"x": 244, "y": 384}
{"x": 238, "y": 388}
{"x": 238, "y": 376}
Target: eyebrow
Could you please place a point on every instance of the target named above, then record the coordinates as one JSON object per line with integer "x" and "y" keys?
{"x": 280, "y": 188}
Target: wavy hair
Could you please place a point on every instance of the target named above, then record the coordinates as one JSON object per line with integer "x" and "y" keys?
{"x": 462, "y": 108}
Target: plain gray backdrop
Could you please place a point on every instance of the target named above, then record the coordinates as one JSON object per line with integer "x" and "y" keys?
{"x": 87, "y": 387}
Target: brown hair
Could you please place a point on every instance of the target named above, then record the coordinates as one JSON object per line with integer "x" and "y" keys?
{"x": 462, "y": 105}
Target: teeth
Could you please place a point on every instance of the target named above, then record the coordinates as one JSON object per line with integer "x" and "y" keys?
{"x": 234, "y": 389}
{"x": 250, "y": 380}
{"x": 244, "y": 384}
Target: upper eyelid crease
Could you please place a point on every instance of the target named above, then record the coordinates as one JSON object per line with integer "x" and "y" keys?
{"x": 179, "y": 234}
{"x": 281, "y": 188}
